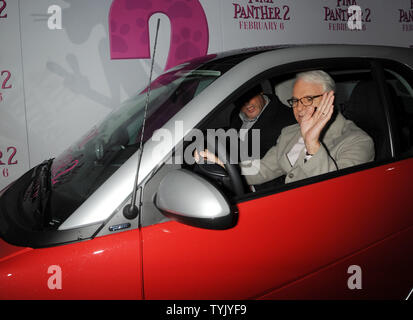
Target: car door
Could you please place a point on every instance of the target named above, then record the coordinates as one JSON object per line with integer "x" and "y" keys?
{"x": 281, "y": 242}
{"x": 346, "y": 234}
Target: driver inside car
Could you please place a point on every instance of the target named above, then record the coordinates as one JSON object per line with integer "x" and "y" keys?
{"x": 255, "y": 111}
{"x": 321, "y": 141}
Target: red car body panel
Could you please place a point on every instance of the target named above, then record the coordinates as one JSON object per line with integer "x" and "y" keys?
{"x": 294, "y": 244}
{"x": 285, "y": 237}
{"x": 8, "y": 251}
{"x": 386, "y": 273}
{"x": 103, "y": 268}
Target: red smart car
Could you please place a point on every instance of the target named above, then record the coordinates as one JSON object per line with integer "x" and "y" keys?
{"x": 347, "y": 234}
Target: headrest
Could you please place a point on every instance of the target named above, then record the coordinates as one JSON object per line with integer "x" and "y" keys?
{"x": 364, "y": 107}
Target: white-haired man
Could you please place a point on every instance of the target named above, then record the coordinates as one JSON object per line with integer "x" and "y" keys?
{"x": 321, "y": 141}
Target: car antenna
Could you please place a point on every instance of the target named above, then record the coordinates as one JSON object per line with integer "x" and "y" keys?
{"x": 131, "y": 211}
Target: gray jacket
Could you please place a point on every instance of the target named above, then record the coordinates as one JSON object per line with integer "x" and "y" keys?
{"x": 343, "y": 141}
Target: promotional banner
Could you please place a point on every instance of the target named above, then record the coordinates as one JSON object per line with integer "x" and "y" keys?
{"x": 66, "y": 64}
{"x": 14, "y": 153}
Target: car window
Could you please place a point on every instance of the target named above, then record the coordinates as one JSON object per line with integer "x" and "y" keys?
{"x": 401, "y": 98}
{"x": 357, "y": 98}
{"x": 89, "y": 162}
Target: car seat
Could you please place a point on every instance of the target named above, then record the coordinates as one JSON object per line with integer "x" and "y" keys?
{"x": 365, "y": 109}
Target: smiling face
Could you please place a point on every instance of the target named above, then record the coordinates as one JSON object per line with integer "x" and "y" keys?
{"x": 304, "y": 89}
{"x": 253, "y": 107}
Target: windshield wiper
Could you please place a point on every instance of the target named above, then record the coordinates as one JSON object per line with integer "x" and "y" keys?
{"x": 42, "y": 187}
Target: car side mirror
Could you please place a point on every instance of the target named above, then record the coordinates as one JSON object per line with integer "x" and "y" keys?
{"x": 190, "y": 199}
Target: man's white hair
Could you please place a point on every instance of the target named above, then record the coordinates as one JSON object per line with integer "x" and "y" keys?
{"x": 317, "y": 76}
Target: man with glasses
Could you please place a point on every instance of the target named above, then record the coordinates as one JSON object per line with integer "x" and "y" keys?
{"x": 321, "y": 141}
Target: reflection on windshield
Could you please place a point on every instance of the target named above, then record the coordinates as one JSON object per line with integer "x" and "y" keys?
{"x": 89, "y": 162}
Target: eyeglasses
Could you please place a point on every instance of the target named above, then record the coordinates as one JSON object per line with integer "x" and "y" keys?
{"x": 306, "y": 101}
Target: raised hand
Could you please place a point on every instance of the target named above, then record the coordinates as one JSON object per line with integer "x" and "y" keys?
{"x": 313, "y": 122}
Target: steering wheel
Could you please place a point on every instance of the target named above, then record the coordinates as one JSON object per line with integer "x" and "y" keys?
{"x": 215, "y": 171}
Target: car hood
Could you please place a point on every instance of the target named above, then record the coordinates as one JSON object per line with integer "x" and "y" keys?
{"x": 8, "y": 251}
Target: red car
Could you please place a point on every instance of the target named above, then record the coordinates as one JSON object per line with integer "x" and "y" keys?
{"x": 65, "y": 232}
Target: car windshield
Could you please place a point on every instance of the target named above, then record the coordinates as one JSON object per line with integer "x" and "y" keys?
{"x": 89, "y": 162}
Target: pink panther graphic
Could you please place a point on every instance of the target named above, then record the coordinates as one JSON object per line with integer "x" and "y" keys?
{"x": 129, "y": 29}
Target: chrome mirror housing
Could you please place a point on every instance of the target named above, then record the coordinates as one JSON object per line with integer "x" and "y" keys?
{"x": 190, "y": 199}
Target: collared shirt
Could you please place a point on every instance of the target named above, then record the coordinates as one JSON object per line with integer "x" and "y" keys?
{"x": 295, "y": 151}
{"x": 292, "y": 157}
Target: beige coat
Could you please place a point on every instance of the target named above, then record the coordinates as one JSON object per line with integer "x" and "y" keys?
{"x": 346, "y": 143}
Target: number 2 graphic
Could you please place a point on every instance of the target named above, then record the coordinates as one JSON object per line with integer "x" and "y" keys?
{"x": 8, "y": 76}
{"x": 3, "y": 5}
{"x": 129, "y": 29}
{"x": 10, "y": 160}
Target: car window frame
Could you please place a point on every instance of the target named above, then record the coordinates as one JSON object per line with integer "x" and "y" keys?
{"x": 376, "y": 67}
{"x": 312, "y": 64}
{"x": 407, "y": 73}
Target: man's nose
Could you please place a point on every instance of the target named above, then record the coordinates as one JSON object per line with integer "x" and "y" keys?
{"x": 300, "y": 106}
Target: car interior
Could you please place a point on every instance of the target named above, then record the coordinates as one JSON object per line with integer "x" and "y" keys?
{"x": 357, "y": 97}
